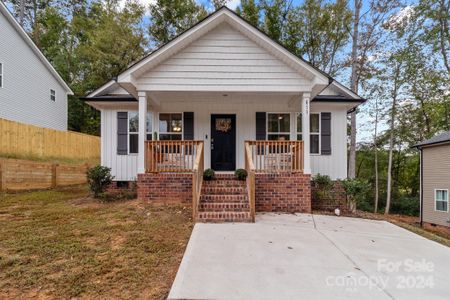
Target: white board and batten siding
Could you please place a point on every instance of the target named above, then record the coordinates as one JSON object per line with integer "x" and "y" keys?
{"x": 25, "y": 94}
{"x": 223, "y": 60}
{"x": 123, "y": 167}
{"x": 244, "y": 106}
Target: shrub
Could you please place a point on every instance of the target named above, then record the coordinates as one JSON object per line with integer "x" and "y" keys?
{"x": 323, "y": 186}
{"x": 208, "y": 174}
{"x": 356, "y": 190}
{"x": 406, "y": 206}
{"x": 240, "y": 174}
{"x": 99, "y": 177}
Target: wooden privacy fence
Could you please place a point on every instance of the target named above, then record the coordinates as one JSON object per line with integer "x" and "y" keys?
{"x": 16, "y": 174}
{"x": 28, "y": 140}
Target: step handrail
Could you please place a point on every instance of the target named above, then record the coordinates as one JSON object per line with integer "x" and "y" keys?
{"x": 250, "y": 168}
{"x": 197, "y": 180}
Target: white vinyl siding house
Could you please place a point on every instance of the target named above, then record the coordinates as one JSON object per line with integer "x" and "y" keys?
{"x": 31, "y": 91}
{"x": 223, "y": 66}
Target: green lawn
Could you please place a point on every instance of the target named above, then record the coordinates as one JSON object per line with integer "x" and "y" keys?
{"x": 63, "y": 244}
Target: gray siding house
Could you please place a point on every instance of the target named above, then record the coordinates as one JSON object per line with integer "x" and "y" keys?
{"x": 435, "y": 179}
{"x": 31, "y": 91}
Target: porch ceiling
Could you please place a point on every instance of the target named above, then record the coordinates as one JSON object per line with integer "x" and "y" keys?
{"x": 156, "y": 98}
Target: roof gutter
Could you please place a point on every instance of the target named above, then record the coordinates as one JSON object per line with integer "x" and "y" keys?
{"x": 421, "y": 146}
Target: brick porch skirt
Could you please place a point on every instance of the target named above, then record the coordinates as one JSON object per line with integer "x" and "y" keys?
{"x": 168, "y": 187}
{"x": 274, "y": 192}
{"x": 283, "y": 192}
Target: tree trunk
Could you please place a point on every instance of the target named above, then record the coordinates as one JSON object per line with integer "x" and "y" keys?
{"x": 391, "y": 140}
{"x": 354, "y": 88}
{"x": 22, "y": 12}
{"x": 444, "y": 33}
{"x": 375, "y": 146}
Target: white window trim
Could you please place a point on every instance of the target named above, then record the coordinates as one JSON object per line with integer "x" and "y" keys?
{"x": 137, "y": 133}
{"x": 182, "y": 125}
{"x": 51, "y": 95}
{"x": 435, "y": 201}
{"x": 278, "y": 133}
{"x": 310, "y": 133}
{"x": 2, "y": 72}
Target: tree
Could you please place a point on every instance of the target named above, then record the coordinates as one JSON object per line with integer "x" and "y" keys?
{"x": 367, "y": 39}
{"x": 434, "y": 17}
{"x": 88, "y": 42}
{"x": 250, "y": 11}
{"x": 28, "y": 11}
{"x": 324, "y": 31}
{"x": 393, "y": 74}
{"x": 169, "y": 18}
{"x": 219, "y": 3}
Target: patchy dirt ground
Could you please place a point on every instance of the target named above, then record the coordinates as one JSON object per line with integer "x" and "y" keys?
{"x": 438, "y": 234}
{"x": 63, "y": 244}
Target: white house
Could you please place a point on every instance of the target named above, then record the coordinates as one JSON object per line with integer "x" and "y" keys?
{"x": 31, "y": 91}
{"x": 222, "y": 83}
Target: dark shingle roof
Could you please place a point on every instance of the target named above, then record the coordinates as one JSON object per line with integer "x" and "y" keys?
{"x": 440, "y": 138}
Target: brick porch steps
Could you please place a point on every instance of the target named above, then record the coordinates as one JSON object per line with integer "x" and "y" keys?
{"x": 224, "y": 206}
{"x": 220, "y": 217}
{"x": 224, "y": 199}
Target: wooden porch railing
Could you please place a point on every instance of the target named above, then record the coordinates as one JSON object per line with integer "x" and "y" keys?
{"x": 171, "y": 156}
{"x": 250, "y": 168}
{"x": 276, "y": 156}
{"x": 197, "y": 180}
{"x": 178, "y": 157}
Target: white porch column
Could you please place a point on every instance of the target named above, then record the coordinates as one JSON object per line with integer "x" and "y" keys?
{"x": 305, "y": 132}
{"x": 142, "y": 131}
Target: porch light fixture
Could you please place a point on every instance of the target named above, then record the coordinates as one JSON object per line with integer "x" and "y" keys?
{"x": 177, "y": 129}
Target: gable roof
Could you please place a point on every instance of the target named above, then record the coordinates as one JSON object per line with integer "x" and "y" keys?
{"x": 21, "y": 32}
{"x": 438, "y": 139}
{"x": 224, "y": 14}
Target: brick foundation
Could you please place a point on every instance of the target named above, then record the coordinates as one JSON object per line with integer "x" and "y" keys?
{"x": 337, "y": 199}
{"x": 167, "y": 187}
{"x": 114, "y": 188}
{"x": 283, "y": 192}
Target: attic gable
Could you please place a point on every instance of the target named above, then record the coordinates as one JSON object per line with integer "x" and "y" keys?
{"x": 223, "y": 59}
{"x": 220, "y": 17}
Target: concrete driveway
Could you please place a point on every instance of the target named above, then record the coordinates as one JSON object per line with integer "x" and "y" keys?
{"x": 311, "y": 257}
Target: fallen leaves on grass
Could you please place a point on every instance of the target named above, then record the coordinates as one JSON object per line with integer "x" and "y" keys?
{"x": 63, "y": 244}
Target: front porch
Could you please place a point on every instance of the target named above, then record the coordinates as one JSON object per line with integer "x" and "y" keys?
{"x": 276, "y": 181}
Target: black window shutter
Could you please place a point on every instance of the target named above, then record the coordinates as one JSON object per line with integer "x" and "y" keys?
{"x": 260, "y": 126}
{"x": 188, "y": 123}
{"x": 325, "y": 133}
{"x": 122, "y": 133}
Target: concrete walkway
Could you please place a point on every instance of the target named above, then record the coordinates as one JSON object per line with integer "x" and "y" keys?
{"x": 311, "y": 257}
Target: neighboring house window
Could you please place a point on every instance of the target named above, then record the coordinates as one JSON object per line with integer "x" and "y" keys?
{"x": 133, "y": 130}
{"x": 170, "y": 126}
{"x": 278, "y": 126}
{"x": 53, "y": 95}
{"x": 441, "y": 199}
{"x": 1, "y": 75}
{"x": 314, "y": 128}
